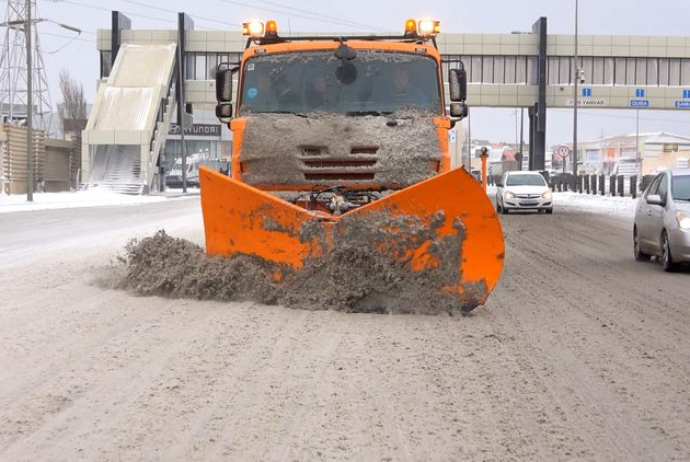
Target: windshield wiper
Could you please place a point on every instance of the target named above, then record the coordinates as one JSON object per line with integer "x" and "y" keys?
{"x": 367, "y": 113}
{"x": 298, "y": 114}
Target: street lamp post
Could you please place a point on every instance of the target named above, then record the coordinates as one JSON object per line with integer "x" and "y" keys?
{"x": 29, "y": 107}
{"x": 637, "y": 145}
{"x": 577, "y": 77}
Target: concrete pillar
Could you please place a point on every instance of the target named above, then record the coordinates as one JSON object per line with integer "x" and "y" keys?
{"x": 537, "y": 159}
{"x": 120, "y": 22}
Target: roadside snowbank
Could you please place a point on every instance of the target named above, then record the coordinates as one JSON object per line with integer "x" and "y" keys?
{"x": 69, "y": 200}
{"x": 619, "y": 206}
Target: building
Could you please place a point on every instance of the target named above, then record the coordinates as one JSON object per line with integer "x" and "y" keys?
{"x": 618, "y": 154}
{"x": 532, "y": 70}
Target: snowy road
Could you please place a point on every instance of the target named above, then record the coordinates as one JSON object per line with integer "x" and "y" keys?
{"x": 581, "y": 354}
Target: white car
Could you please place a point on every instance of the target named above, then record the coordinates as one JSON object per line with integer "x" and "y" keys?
{"x": 523, "y": 191}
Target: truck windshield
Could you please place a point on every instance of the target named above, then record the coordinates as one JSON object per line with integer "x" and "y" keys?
{"x": 375, "y": 82}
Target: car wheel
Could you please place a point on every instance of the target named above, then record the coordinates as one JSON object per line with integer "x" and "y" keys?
{"x": 666, "y": 258}
{"x": 639, "y": 255}
{"x": 498, "y": 207}
{"x": 504, "y": 210}
{"x": 549, "y": 211}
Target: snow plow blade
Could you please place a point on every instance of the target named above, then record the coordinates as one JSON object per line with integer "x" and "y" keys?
{"x": 443, "y": 231}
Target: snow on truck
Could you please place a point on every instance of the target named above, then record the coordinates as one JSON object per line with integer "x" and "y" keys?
{"x": 341, "y": 165}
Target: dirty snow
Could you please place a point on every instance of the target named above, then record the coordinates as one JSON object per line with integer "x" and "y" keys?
{"x": 581, "y": 354}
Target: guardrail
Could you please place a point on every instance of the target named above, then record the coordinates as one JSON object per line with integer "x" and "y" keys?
{"x": 601, "y": 185}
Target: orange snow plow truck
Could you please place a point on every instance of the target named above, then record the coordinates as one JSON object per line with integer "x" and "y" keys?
{"x": 341, "y": 156}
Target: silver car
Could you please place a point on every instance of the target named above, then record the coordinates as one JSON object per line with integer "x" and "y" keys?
{"x": 662, "y": 220}
{"x": 523, "y": 191}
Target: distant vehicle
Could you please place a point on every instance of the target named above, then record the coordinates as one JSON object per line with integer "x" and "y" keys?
{"x": 553, "y": 173}
{"x": 523, "y": 191}
{"x": 662, "y": 220}
{"x": 174, "y": 178}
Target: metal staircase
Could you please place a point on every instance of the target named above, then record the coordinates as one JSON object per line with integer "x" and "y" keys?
{"x": 129, "y": 124}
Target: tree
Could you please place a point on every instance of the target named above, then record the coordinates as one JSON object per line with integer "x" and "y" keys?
{"x": 73, "y": 110}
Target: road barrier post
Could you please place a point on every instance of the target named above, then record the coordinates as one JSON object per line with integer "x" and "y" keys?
{"x": 602, "y": 184}
{"x": 633, "y": 186}
{"x": 593, "y": 179}
{"x": 612, "y": 185}
{"x": 587, "y": 183}
{"x": 621, "y": 185}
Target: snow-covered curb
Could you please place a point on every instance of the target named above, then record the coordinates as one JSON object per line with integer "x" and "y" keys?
{"x": 620, "y": 206}
{"x": 71, "y": 200}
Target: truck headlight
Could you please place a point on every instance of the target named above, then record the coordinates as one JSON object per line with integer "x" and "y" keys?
{"x": 683, "y": 219}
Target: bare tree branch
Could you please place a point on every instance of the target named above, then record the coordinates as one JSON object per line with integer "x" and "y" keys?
{"x": 73, "y": 110}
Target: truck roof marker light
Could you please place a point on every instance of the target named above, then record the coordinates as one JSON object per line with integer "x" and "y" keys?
{"x": 429, "y": 27}
{"x": 271, "y": 28}
{"x": 254, "y": 29}
{"x": 410, "y": 28}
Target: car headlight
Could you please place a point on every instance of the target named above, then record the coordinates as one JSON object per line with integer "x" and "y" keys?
{"x": 683, "y": 219}
{"x": 510, "y": 195}
{"x": 546, "y": 195}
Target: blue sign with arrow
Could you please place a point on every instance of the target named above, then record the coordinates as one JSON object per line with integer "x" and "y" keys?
{"x": 586, "y": 92}
{"x": 639, "y": 93}
{"x": 686, "y": 94}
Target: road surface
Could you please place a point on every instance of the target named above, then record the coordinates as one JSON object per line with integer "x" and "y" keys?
{"x": 581, "y": 354}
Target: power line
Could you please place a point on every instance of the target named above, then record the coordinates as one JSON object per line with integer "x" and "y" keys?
{"x": 288, "y": 13}
{"x": 139, "y": 15}
{"x": 193, "y": 15}
{"x": 78, "y": 39}
{"x": 282, "y": 5}
{"x": 100, "y": 8}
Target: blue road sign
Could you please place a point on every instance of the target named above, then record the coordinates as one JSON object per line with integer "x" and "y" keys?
{"x": 686, "y": 94}
{"x": 639, "y": 103}
{"x": 639, "y": 93}
{"x": 586, "y": 92}
{"x": 683, "y": 104}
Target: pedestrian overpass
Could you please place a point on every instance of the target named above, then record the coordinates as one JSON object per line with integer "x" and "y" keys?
{"x": 533, "y": 70}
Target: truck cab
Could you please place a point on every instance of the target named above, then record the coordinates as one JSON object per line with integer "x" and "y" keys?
{"x": 367, "y": 113}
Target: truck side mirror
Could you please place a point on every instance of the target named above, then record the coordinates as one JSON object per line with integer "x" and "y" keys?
{"x": 224, "y": 83}
{"x": 457, "y": 83}
{"x": 459, "y": 110}
{"x": 224, "y": 112}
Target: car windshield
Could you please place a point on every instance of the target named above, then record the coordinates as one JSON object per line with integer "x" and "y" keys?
{"x": 680, "y": 188}
{"x": 373, "y": 83}
{"x": 525, "y": 180}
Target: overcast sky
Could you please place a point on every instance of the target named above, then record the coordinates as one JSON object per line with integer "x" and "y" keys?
{"x": 611, "y": 17}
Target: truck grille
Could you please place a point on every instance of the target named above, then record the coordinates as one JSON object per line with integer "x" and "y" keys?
{"x": 318, "y": 166}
